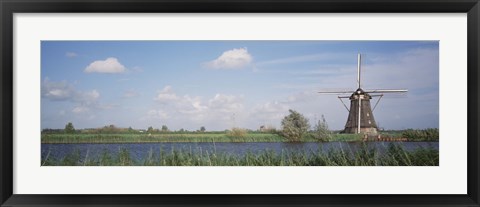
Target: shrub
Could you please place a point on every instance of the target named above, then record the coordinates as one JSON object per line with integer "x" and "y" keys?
{"x": 321, "y": 131}
{"x": 237, "y": 133}
{"x": 294, "y": 126}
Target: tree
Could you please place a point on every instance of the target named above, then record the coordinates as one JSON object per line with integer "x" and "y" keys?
{"x": 294, "y": 126}
{"x": 164, "y": 128}
{"x": 321, "y": 131}
{"x": 150, "y": 129}
{"x": 69, "y": 129}
{"x": 202, "y": 129}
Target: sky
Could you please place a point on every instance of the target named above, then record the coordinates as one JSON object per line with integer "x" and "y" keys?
{"x": 225, "y": 84}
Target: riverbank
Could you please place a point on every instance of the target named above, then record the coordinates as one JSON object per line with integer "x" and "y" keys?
{"x": 157, "y": 138}
{"x": 195, "y": 137}
{"x": 178, "y": 137}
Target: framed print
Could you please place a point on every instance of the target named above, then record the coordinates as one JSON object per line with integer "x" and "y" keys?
{"x": 263, "y": 103}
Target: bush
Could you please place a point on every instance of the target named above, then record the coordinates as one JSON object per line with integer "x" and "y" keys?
{"x": 294, "y": 126}
{"x": 237, "y": 133}
{"x": 321, "y": 131}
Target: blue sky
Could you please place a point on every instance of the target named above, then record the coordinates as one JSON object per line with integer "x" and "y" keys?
{"x": 224, "y": 84}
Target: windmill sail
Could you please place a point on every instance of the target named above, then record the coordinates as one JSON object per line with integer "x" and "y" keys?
{"x": 336, "y": 91}
{"x": 386, "y": 91}
{"x": 358, "y": 69}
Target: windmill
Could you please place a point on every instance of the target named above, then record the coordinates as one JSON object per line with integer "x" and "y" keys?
{"x": 360, "y": 116}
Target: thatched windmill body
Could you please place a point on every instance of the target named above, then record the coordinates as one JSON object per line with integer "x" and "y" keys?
{"x": 360, "y": 116}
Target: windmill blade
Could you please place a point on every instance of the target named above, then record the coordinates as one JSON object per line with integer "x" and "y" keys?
{"x": 336, "y": 91}
{"x": 358, "y": 69}
{"x": 386, "y": 91}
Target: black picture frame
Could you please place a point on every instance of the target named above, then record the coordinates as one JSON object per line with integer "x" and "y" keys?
{"x": 10, "y": 7}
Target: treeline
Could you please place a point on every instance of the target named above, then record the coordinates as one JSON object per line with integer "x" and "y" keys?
{"x": 295, "y": 128}
{"x": 112, "y": 129}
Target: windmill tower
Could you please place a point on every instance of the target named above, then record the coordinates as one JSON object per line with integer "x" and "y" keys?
{"x": 360, "y": 116}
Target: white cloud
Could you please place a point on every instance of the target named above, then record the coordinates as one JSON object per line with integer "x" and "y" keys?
{"x": 92, "y": 95}
{"x": 80, "y": 109}
{"x": 84, "y": 103}
{"x": 195, "y": 110}
{"x": 226, "y": 103}
{"x": 231, "y": 59}
{"x": 192, "y": 106}
{"x": 57, "y": 91}
{"x": 268, "y": 113}
{"x": 62, "y": 91}
{"x": 86, "y": 98}
{"x": 109, "y": 65}
{"x": 71, "y": 54}
{"x": 274, "y": 107}
{"x": 304, "y": 96}
{"x": 158, "y": 114}
{"x": 166, "y": 95}
{"x": 183, "y": 104}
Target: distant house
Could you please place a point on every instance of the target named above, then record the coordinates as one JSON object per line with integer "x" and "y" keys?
{"x": 264, "y": 128}
{"x": 141, "y": 131}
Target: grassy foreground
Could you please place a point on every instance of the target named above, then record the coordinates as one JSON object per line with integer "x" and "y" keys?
{"x": 394, "y": 155}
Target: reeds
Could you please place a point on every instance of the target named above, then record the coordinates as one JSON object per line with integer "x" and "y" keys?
{"x": 392, "y": 155}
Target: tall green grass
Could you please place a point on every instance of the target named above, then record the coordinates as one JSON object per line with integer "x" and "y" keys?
{"x": 145, "y": 138}
{"x": 394, "y": 155}
{"x": 230, "y": 136}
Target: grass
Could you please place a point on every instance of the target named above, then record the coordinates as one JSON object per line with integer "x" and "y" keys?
{"x": 177, "y": 137}
{"x": 144, "y": 138}
{"x": 431, "y": 134}
{"x": 394, "y": 155}
{"x": 237, "y": 135}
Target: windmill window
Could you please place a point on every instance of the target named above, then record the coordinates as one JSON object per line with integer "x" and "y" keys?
{"x": 368, "y": 114}
{"x": 369, "y": 122}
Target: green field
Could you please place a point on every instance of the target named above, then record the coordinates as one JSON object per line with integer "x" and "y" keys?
{"x": 394, "y": 155}
{"x": 428, "y": 135}
{"x": 179, "y": 137}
